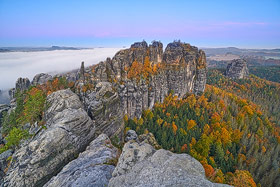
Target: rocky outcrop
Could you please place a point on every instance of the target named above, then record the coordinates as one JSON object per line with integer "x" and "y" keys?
{"x": 41, "y": 78}
{"x": 150, "y": 139}
{"x": 237, "y": 69}
{"x": 69, "y": 130}
{"x": 141, "y": 165}
{"x": 93, "y": 167}
{"x": 104, "y": 107}
{"x": 22, "y": 84}
{"x": 182, "y": 68}
{"x": 131, "y": 135}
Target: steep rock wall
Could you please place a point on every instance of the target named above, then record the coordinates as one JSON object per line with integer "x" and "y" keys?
{"x": 182, "y": 69}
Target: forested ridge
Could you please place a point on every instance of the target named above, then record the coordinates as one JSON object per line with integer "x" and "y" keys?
{"x": 232, "y": 138}
{"x": 262, "y": 92}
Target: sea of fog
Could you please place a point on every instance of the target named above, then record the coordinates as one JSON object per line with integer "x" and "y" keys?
{"x": 27, "y": 64}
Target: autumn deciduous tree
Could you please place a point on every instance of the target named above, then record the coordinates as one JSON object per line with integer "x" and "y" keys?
{"x": 242, "y": 178}
{"x": 191, "y": 124}
{"x": 174, "y": 127}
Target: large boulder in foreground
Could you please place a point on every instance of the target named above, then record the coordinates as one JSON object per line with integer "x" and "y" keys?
{"x": 93, "y": 167}
{"x": 141, "y": 165}
{"x": 69, "y": 130}
{"x": 237, "y": 69}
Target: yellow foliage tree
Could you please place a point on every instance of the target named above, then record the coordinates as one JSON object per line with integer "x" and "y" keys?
{"x": 191, "y": 124}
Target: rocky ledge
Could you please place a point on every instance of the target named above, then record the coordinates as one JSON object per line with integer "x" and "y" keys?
{"x": 140, "y": 164}
{"x": 93, "y": 167}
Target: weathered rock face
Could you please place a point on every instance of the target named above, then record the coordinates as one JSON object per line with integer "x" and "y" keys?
{"x": 237, "y": 69}
{"x": 22, "y": 84}
{"x": 93, "y": 167}
{"x": 41, "y": 78}
{"x": 104, "y": 108}
{"x": 150, "y": 139}
{"x": 69, "y": 131}
{"x": 131, "y": 135}
{"x": 183, "y": 70}
{"x": 141, "y": 165}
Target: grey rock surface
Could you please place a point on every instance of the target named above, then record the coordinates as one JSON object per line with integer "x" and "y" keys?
{"x": 140, "y": 165}
{"x": 41, "y": 78}
{"x": 92, "y": 167}
{"x": 22, "y": 84}
{"x": 104, "y": 107}
{"x": 69, "y": 130}
{"x": 131, "y": 135}
{"x": 150, "y": 139}
{"x": 237, "y": 69}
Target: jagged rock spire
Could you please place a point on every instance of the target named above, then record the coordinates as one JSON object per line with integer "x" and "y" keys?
{"x": 82, "y": 71}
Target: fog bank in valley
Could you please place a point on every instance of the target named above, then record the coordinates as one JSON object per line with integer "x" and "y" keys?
{"x": 27, "y": 64}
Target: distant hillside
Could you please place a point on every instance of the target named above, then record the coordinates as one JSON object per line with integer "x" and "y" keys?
{"x": 238, "y": 51}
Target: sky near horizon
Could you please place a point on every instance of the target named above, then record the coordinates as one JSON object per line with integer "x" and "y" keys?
{"x": 92, "y": 23}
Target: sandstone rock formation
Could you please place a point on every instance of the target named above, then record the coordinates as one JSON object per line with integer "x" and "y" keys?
{"x": 41, "y": 78}
{"x": 93, "y": 167}
{"x": 150, "y": 139}
{"x": 69, "y": 130}
{"x": 237, "y": 69}
{"x": 104, "y": 108}
{"x": 183, "y": 69}
{"x": 22, "y": 84}
{"x": 141, "y": 165}
{"x": 131, "y": 135}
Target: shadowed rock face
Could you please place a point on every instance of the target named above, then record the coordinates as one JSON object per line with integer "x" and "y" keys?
{"x": 22, "y": 84}
{"x": 237, "y": 69}
{"x": 183, "y": 70}
{"x": 141, "y": 165}
{"x": 69, "y": 131}
{"x": 104, "y": 108}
